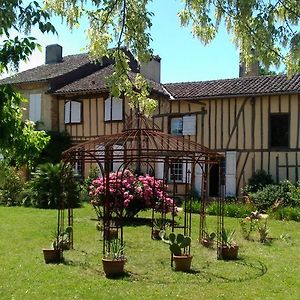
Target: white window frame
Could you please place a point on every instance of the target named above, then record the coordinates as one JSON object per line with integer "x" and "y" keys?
{"x": 113, "y": 109}
{"x": 35, "y": 107}
{"x": 180, "y": 173}
{"x": 73, "y": 112}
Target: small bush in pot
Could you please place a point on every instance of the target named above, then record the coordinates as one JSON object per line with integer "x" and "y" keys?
{"x": 208, "y": 239}
{"x": 114, "y": 260}
{"x": 63, "y": 239}
{"x": 178, "y": 245}
{"x": 60, "y": 243}
{"x": 228, "y": 249}
{"x": 158, "y": 225}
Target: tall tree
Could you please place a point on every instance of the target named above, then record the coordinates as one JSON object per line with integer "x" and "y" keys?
{"x": 269, "y": 27}
{"x": 19, "y": 141}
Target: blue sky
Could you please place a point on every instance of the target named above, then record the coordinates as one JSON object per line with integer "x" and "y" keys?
{"x": 184, "y": 58}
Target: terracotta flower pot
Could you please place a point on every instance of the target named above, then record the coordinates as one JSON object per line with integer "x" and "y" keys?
{"x": 113, "y": 267}
{"x": 183, "y": 262}
{"x": 52, "y": 255}
{"x": 229, "y": 252}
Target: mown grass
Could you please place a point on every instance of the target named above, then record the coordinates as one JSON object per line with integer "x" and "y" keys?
{"x": 262, "y": 272}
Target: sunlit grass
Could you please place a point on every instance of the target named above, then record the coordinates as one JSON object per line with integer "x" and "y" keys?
{"x": 262, "y": 272}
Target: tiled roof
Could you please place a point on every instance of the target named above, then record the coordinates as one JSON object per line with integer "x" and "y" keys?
{"x": 77, "y": 74}
{"x": 245, "y": 86}
{"x": 49, "y": 71}
{"x": 96, "y": 83}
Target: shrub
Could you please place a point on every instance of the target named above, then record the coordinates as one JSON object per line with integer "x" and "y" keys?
{"x": 11, "y": 185}
{"x": 235, "y": 210}
{"x": 285, "y": 192}
{"x": 195, "y": 205}
{"x": 294, "y": 195}
{"x": 257, "y": 181}
{"x": 213, "y": 209}
{"x": 287, "y": 213}
{"x": 131, "y": 193}
{"x": 265, "y": 198}
{"x": 50, "y": 185}
{"x": 59, "y": 142}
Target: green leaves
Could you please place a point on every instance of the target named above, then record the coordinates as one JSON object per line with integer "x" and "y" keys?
{"x": 20, "y": 143}
{"x": 15, "y": 16}
{"x": 271, "y": 28}
{"x": 176, "y": 242}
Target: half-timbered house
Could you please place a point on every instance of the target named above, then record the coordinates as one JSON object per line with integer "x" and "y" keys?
{"x": 254, "y": 121}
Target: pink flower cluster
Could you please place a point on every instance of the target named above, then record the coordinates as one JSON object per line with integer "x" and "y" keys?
{"x": 132, "y": 193}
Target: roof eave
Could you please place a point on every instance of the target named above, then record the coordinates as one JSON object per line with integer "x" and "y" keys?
{"x": 197, "y": 98}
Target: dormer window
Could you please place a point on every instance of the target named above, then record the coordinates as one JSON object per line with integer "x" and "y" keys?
{"x": 73, "y": 112}
{"x": 113, "y": 109}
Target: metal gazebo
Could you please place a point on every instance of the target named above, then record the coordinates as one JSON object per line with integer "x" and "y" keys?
{"x": 144, "y": 149}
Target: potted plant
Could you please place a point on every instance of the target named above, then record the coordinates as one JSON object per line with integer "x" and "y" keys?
{"x": 114, "y": 260}
{"x": 228, "y": 249}
{"x": 63, "y": 239}
{"x": 178, "y": 245}
{"x": 208, "y": 239}
{"x": 157, "y": 227}
{"x": 61, "y": 243}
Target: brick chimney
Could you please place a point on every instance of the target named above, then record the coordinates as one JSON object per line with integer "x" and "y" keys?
{"x": 151, "y": 70}
{"x": 53, "y": 54}
{"x": 253, "y": 69}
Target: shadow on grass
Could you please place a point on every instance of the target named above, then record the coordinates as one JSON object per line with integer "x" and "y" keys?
{"x": 254, "y": 268}
{"x": 243, "y": 269}
{"x": 125, "y": 275}
{"x": 240, "y": 270}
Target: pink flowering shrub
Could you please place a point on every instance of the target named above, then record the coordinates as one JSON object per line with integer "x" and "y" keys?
{"x": 131, "y": 193}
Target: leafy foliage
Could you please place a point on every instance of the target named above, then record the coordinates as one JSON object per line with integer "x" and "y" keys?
{"x": 15, "y": 15}
{"x": 20, "y": 143}
{"x": 11, "y": 185}
{"x": 286, "y": 213}
{"x": 59, "y": 142}
{"x": 53, "y": 186}
{"x": 234, "y": 210}
{"x": 257, "y": 181}
{"x": 266, "y": 197}
{"x": 227, "y": 236}
{"x": 177, "y": 243}
{"x": 115, "y": 249}
{"x": 287, "y": 193}
{"x": 266, "y": 26}
{"x": 62, "y": 239}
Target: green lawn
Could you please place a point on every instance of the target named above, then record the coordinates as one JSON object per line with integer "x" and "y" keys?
{"x": 262, "y": 272}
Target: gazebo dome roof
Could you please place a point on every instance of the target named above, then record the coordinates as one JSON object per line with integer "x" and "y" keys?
{"x": 142, "y": 138}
